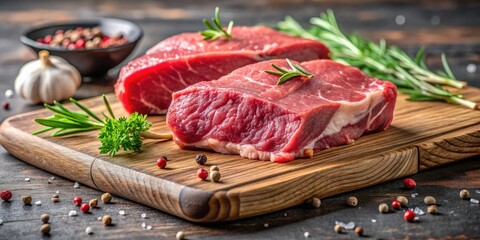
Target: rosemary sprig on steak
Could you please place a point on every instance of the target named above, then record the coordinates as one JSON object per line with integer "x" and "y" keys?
{"x": 289, "y": 74}
{"x": 115, "y": 133}
{"x": 215, "y": 29}
{"x": 381, "y": 61}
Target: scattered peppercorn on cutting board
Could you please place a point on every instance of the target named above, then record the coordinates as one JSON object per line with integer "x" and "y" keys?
{"x": 423, "y": 135}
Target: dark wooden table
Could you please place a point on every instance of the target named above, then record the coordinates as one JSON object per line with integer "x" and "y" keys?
{"x": 442, "y": 26}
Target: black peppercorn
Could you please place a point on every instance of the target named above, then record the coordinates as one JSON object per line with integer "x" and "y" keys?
{"x": 201, "y": 159}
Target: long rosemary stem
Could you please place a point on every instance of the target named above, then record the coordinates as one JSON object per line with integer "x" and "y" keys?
{"x": 381, "y": 61}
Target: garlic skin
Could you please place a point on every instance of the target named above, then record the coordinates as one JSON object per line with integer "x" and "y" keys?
{"x": 47, "y": 79}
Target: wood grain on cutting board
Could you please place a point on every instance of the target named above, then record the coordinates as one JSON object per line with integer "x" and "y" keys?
{"x": 422, "y": 135}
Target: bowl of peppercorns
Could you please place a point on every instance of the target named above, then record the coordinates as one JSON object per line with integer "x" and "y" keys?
{"x": 92, "y": 46}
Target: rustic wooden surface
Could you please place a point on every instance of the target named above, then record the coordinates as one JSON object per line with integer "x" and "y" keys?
{"x": 372, "y": 159}
{"x": 457, "y": 34}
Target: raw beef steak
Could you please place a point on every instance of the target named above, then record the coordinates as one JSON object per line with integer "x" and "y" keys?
{"x": 246, "y": 113}
{"x": 146, "y": 84}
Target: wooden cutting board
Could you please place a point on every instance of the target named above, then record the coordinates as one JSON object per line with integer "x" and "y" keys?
{"x": 423, "y": 135}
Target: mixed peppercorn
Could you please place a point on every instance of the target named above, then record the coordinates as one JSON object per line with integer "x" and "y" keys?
{"x": 396, "y": 205}
{"x": 409, "y": 215}
{"x": 107, "y": 220}
{"x": 77, "y": 201}
{"x": 201, "y": 159}
{"x": 202, "y": 173}
{"x": 409, "y": 183}
{"x": 55, "y": 198}
{"x": 82, "y": 38}
{"x": 106, "y": 198}
{"x": 27, "y": 199}
{"x": 85, "y": 208}
{"x": 6, "y": 195}
{"x": 352, "y": 201}
{"x": 162, "y": 162}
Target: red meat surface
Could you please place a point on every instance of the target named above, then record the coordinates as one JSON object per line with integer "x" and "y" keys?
{"x": 146, "y": 84}
{"x": 246, "y": 113}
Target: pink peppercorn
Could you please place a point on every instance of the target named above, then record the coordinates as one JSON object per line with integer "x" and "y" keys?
{"x": 396, "y": 204}
{"x": 77, "y": 201}
{"x": 409, "y": 215}
{"x": 162, "y": 162}
{"x": 47, "y": 39}
{"x": 65, "y": 43}
{"x": 6, "y": 195}
{"x": 409, "y": 183}
{"x": 71, "y": 46}
{"x": 6, "y": 105}
{"x": 80, "y": 43}
{"x": 202, "y": 173}
{"x": 85, "y": 208}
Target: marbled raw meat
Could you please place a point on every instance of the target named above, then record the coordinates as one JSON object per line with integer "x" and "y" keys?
{"x": 146, "y": 84}
{"x": 246, "y": 113}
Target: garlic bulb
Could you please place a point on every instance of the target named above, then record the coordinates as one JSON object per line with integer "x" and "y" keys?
{"x": 47, "y": 79}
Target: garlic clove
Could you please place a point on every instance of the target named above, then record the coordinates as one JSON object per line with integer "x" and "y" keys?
{"x": 27, "y": 82}
{"x": 47, "y": 79}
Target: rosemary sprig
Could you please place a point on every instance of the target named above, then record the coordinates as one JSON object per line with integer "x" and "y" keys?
{"x": 381, "y": 61}
{"x": 215, "y": 29}
{"x": 115, "y": 134}
{"x": 289, "y": 74}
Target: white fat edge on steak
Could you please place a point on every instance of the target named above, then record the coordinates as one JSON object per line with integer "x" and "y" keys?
{"x": 244, "y": 150}
{"x": 350, "y": 113}
{"x": 267, "y": 47}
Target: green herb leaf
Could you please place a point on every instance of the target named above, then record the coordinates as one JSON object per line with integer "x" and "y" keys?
{"x": 381, "y": 61}
{"x": 47, "y": 129}
{"x": 115, "y": 134}
{"x": 60, "y": 123}
{"x": 107, "y": 105}
{"x": 63, "y": 132}
{"x": 289, "y": 74}
{"x": 448, "y": 72}
{"x": 123, "y": 133}
{"x": 85, "y": 109}
{"x": 215, "y": 30}
{"x": 287, "y": 77}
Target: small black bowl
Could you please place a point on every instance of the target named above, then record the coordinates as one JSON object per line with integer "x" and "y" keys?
{"x": 89, "y": 62}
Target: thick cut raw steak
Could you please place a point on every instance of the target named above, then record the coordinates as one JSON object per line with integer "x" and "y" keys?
{"x": 246, "y": 113}
{"x": 146, "y": 84}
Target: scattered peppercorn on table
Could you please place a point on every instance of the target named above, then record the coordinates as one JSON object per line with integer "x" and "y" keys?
{"x": 442, "y": 200}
